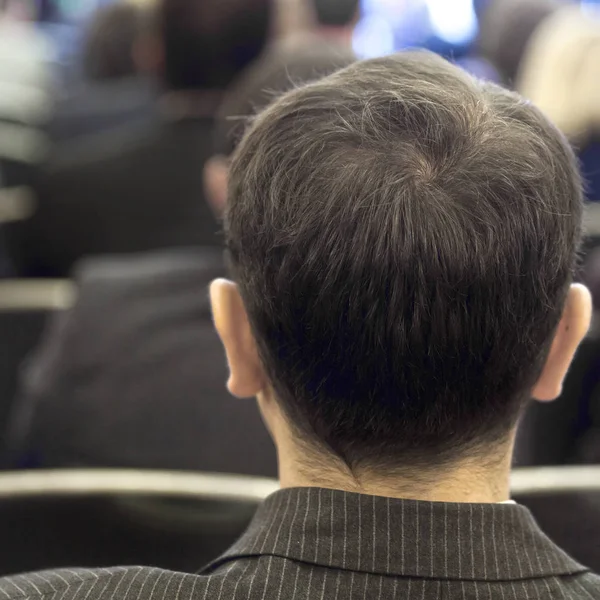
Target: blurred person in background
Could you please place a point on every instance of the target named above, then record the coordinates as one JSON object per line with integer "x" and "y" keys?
{"x": 335, "y": 19}
{"x": 112, "y": 92}
{"x": 142, "y": 191}
{"x": 84, "y": 403}
{"x": 26, "y": 88}
{"x": 561, "y": 74}
{"x": 133, "y": 375}
{"x": 280, "y": 69}
{"x": 505, "y": 29}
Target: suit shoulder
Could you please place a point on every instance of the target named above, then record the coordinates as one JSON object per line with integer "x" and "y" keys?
{"x": 119, "y": 583}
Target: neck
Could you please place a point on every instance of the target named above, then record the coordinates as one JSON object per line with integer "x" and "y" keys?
{"x": 484, "y": 479}
{"x": 340, "y": 35}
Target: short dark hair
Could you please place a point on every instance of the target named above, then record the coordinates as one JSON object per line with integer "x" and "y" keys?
{"x": 109, "y": 40}
{"x": 336, "y": 13}
{"x": 208, "y": 43}
{"x": 403, "y": 237}
{"x": 283, "y": 68}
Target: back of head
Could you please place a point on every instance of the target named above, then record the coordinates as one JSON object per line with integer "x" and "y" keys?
{"x": 336, "y": 13}
{"x": 208, "y": 43}
{"x": 403, "y": 237}
{"x": 283, "y": 68}
{"x": 109, "y": 41}
{"x": 506, "y": 27}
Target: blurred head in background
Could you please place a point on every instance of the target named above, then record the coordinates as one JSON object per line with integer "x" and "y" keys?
{"x": 561, "y": 72}
{"x": 336, "y": 18}
{"x": 278, "y": 71}
{"x": 108, "y": 48}
{"x": 505, "y": 29}
{"x": 204, "y": 45}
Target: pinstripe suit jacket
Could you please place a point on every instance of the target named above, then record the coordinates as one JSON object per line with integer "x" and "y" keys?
{"x": 321, "y": 544}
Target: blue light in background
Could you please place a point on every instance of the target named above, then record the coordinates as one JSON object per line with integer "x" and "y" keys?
{"x": 390, "y": 25}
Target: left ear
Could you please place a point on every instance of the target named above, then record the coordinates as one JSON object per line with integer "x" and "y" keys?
{"x": 246, "y": 374}
{"x": 571, "y": 330}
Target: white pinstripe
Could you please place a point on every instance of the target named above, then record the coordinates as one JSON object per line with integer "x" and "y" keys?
{"x": 303, "y": 539}
{"x": 144, "y": 582}
{"x": 264, "y": 543}
{"x": 117, "y": 587}
{"x": 281, "y": 521}
{"x": 584, "y": 589}
{"x": 525, "y": 589}
{"x": 179, "y": 588}
{"x": 431, "y": 537}
{"x": 389, "y": 535}
{"x": 288, "y": 545}
{"x": 514, "y": 538}
{"x": 345, "y": 531}
{"x": 10, "y": 580}
{"x": 359, "y": 545}
{"x": 332, "y": 534}
{"x": 523, "y": 530}
{"x": 494, "y": 541}
{"x": 193, "y": 590}
{"x": 208, "y": 587}
{"x": 324, "y": 582}
{"x": 46, "y": 581}
{"x": 337, "y": 584}
{"x": 374, "y": 534}
{"x": 57, "y": 574}
{"x": 424, "y": 585}
{"x": 483, "y": 542}
{"x": 131, "y": 582}
{"x": 417, "y": 540}
{"x": 5, "y": 592}
{"x": 446, "y": 539}
{"x": 560, "y": 587}
{"x": 458, "y": 546}
{"x": 472, "y": 540}
{"x": 167, "y": 586}
{"x": 402, "y": 533}
{"x": 78, "y": 575}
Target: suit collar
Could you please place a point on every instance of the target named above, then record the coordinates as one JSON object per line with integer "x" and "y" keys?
{"x": 477, "y": 542}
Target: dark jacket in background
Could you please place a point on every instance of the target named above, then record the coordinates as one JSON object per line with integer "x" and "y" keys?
{"x": 93, "y": 108}
{"x": 134, "y": 375}
{"x": 123, "y": 193}
{"x": 321, "y": 544}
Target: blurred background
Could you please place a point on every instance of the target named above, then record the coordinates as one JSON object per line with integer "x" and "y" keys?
{"x": 117, "y": 121}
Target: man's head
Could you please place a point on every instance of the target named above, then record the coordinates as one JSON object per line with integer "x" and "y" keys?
{"x": 108, "y": 49}
{"x": 336, "y": 13}
{"x": 402, "y": 237}
{"x": 206, "y": 45}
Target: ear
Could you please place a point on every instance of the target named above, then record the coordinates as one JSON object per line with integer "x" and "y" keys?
{"x": 572, "y": 328}
{"x": 215, "y": 183}
{"x": 246, "y": 374}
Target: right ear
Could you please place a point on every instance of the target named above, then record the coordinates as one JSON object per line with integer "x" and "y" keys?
{"x": 215, "y": 174}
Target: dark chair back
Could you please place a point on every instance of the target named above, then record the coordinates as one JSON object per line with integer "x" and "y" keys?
{"x": 99, "y": 518}
{"x": 24, "y": 308}
{"x": 566, "y": 503}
